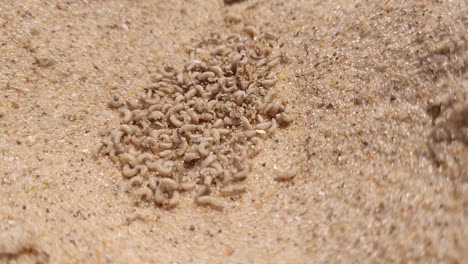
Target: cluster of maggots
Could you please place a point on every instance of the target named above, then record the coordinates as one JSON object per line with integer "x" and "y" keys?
{"x": 198, "y": 127}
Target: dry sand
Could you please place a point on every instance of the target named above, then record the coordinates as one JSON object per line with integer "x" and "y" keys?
{"x": 379, "y": 94}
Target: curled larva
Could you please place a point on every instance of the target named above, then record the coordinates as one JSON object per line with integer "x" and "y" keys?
{"x": 136, "y": 181}
{"x": 232, "y": 190}
{"x": 256, "y": 141}
{"x": 127, "y": 158}
{"x": 168, "y": 185}
{"x": 274, "y": 108}
{"x": 191, "y": 93}
{"x": 129, "y": 172}
{"x": 156, "y": 115}
{"x": 126, "y": 115}
{"x": 251, "y": 31}
{"x": 229, "y": 89}
{"x": 284, "y": 119}
{"x": 208, "y": 160}
{"x": 175, "y": 122}
{"x": 150, "y": 98}
{"x": 142, "y": 170}
{"x": 203, "y": 148}
{"x": 211, "y": 202}
{"x": 174, "y": 109}
{"x": 116, "y": 136}
{"x": 142, "y": 158}
{"x": 246, "y": 123}
{"x": 145, "y": 193}
{"x": 190, "y": 156}
{"x": 208, "y": 172}
{"x": 173, "y": 201}
{"x": 168, "y": 71}
{"x": 287, "y": 175}
{"x": 205, "y": 76}
{"x": 194, "y": 117}
{"x": 127, "y": 129}
{"x": 203, "y": 191}
{"x": 239, "y": 97}
{"x": 164, "y": 168}
{"x": 116, "y": 101}
{"x": 217, "y": 70}
{"x": 241, "y": 175}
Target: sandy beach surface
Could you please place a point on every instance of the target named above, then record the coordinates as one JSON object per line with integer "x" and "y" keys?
{"x": 377, "y": 89}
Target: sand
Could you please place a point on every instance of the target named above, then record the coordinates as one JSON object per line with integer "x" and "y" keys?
{"x": 379, "y": 95}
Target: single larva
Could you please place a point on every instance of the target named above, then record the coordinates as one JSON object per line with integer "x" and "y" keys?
{"x": 168, "y": 154}
{"x": 145, "y": 193}
{"x": 175, "y": 122}
{"x": 251, "y": 31}
{"x": 246, "y": 123}
{"x": 159, "y": 197}
{"x": 129, "y": 172}
{"x": 168, "y": 185}
{"x": 136, "y": 181}
{"x": 203, "y": 191}
{"x": 284, "y": 119}
{"x": 166, "y": 145}
{"x": 287, "y": 175}
{"x": 116, "y": 136}
{"x": 127, "y": 158}
{"x": 184, "y": 187}
{"x": 163, "y": 168}
{"x": 205, "y": 76}
{"x": 263, "y": 126}
{"x": 182, "y": 147}
{"x": 153, "y": 182}
{"x": 241, "y": 175}
{"x": 126, "y": 115}
{"x": 116, "y": 102}
{"x": 203, "y": 148}
{"x": 174, "y": 109}
{"x": 173, "y": 201}
{"x": 208, "y": 160}
{"x": 274, "y": 61}
{"x": 210, "y": 201}
{"x": 232, "y": 190}
{"x": 168, "y": 71}
{"x": 127, "y": 129}
{"x": 190, "y": 156}
{"x": 142, "y": 158}
{"x": 133, "y": 104}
